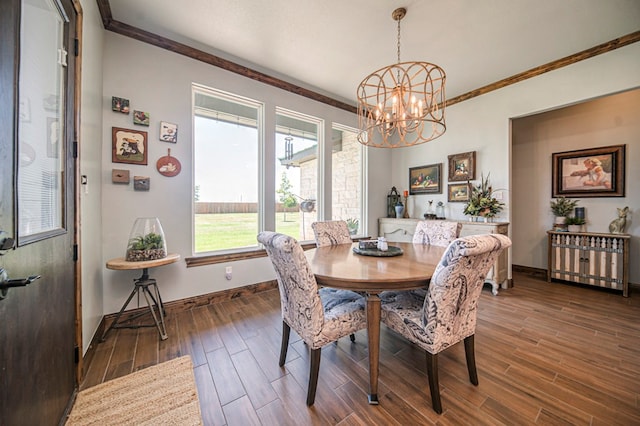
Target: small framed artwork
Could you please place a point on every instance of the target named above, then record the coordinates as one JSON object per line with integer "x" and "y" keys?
{"x": 128, "y": 146}
{"x": 141, "y": 183}
{"x": 168, "y": 132}
{"x": 459, "y": 192}
{"x": 120, "y": 105}
{"x": 595, "y": 172}
{"x": 425, "y": 179}
{"x": 462, "y": 167}
{"x": 140, "y": 117}
{"x": 120, "y": 176}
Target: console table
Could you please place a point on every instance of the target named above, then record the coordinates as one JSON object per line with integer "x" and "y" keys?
{"x": 600, "y": 260}
{"x": 402, "y": 230}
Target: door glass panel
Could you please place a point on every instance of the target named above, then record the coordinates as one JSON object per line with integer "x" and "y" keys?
{"x": 41, "y": 127}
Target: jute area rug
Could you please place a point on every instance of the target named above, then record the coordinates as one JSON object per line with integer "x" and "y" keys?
{"x": 164, "y": 394}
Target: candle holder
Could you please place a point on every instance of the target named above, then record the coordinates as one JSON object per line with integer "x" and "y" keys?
{"x": 406, "y": 208}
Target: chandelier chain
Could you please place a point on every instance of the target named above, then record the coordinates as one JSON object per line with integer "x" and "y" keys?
{"x": 399, "y": 40}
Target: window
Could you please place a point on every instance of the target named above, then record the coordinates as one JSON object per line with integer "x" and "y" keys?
{"x": 227, "y": 135}
{"x": 232, "y": 202}
{"x": 346, "y": 179}
{"x": 296, "y": 173}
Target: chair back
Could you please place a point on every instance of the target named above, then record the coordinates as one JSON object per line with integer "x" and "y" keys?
{"x": 436, "y": 232}
{"x": 450, "y": 308}
{"x": 331, "y": 232}
{"x": 299, "y": 299}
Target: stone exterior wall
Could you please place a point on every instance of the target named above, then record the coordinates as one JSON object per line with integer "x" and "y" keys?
{"x": 346, "y": 192}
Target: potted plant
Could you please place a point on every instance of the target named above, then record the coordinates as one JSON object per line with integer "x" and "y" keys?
{"x": 561, "y": 207}
{"x": 575, "y": 224}
{"x": 352, "y": 224}
{"x": 146, "y": 247}
{"x": 481, "y": 200}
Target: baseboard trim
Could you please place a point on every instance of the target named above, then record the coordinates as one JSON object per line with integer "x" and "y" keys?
{"x": 531, "y": 271}
{"x": 177, "y": 306}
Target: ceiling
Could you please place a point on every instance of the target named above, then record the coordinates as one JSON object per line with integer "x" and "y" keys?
{"x": 330, "y": 46}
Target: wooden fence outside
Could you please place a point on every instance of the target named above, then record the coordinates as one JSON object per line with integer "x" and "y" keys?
{"x": 218, "y": 208}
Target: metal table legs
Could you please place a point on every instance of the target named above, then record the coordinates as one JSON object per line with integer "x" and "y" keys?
{"x": 154, "y": 302}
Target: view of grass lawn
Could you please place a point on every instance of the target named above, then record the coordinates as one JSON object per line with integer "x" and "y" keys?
{"x": 232, "y": 230}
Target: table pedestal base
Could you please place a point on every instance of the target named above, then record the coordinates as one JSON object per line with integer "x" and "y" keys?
{"x": 154, "y": 302}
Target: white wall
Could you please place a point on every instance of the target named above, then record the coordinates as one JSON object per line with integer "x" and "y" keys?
{"x": 91, "y": 166}
{"x": 159, "y": 82}
{"x": 483, "y": 124}
{"x": 611, "y": 120}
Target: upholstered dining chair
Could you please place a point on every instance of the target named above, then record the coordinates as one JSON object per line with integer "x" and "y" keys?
{"x": 331, "y": 232}
{"x": 448, "y": 313}
{"x": 436, "y": 232}
{"x": 319, "y": 316}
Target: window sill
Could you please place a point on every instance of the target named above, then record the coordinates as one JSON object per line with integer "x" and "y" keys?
{"x": 213, "y": 259}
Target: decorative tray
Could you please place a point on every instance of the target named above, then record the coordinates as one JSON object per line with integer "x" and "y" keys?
{"x": 393, "y": 251}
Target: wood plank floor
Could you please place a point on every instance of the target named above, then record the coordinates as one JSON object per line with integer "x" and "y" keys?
{"x": 546, "y": 354}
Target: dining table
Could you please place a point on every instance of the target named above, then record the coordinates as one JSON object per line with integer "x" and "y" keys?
{"x": 339, "y": 266}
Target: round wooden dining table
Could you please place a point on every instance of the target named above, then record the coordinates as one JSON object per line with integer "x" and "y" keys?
{"x": 339, "y": 267}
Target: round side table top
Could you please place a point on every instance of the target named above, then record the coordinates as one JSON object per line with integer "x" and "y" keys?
{"x": 120, "y": 263}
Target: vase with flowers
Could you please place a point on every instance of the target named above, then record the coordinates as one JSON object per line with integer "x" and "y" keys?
{"x": 482, "y": 202}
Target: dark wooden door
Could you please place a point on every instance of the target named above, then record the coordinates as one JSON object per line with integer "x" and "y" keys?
{"x": 37, "y": 202}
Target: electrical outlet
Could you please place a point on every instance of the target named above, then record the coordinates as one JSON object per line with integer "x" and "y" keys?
{"x": 497, "y": 195}
{"x": 228, "y": 272}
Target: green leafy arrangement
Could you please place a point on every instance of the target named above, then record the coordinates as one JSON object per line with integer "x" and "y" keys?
{"x": 481, "y": 200}
{"x": 563, "y": 206}
{"x": 575, "y": 221}
{"x": 146, "y": 247}
{"x": 146, "y": 242}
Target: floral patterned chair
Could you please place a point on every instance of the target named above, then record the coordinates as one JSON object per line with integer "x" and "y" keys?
{"x": 448, "y": 313}
{"x": 331, "y": 232}
{"x": 318, "y": 316}
{"x": 436, "y": 232}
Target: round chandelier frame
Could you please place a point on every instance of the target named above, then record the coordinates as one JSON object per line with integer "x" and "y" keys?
{"x": 402, "y": 104}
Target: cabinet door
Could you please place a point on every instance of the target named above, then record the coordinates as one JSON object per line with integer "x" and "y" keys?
{"x": 501, "y": 268}
{"x": 397, "y": 230}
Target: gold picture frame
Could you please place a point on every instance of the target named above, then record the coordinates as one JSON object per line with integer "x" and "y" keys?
{"x": 462, "y": 167}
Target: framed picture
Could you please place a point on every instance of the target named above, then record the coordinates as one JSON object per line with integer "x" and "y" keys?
{"x": 168, "y": 132}
{"x": 595, "y": 172}
{"x": 120, "y": 105}
{"x": 141, "y": 183}
{"x": 462, "y": 167}
{"x": 459, "y": 192}
{"x": 425, "y": 179}
{"x": 140, "y": 117}
{"x": 128, "y": 146}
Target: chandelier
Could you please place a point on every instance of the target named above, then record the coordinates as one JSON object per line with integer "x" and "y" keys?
{"x": 403, "y": 104}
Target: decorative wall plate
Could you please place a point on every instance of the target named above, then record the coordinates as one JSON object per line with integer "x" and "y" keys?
{"x": 168, "y": 166}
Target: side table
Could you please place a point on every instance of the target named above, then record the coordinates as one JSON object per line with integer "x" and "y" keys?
{"x": 141, "y": 285}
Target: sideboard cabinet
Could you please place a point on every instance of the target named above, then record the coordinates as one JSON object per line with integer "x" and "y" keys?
{"x": 402, "y": 230}
{"x": 600, "y": 260}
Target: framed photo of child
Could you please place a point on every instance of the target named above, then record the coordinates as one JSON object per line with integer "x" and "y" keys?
{"x": 595, "y": 172}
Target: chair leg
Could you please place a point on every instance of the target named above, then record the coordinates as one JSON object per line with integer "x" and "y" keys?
{"x": 286, "y": 330}
{"x": 352, "y": 337}
{"x": 434, "y": 386}
{"x": 471, "y": 359}
{"x": 314, "y": 368}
